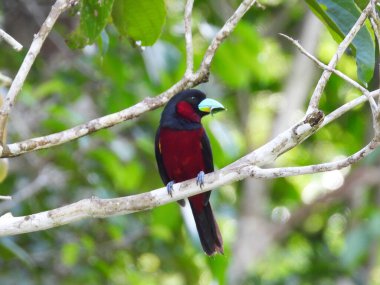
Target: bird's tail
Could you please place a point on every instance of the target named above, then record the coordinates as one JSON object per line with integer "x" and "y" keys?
{"x": 208, "y": 229}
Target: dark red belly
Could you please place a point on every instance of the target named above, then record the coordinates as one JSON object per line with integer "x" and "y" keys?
{"x": 182, "y": 153}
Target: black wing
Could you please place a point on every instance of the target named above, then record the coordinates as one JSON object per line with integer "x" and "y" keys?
{"x": 208, "y": 160}
{"x": 160, "y": 162}
{"x": 207, "y": 153}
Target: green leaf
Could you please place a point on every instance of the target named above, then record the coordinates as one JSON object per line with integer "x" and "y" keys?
{"x": 70, "y": 254}
{"x": 340, "y": 16}
{"x": 247, "y": 57}
{"x": 140, "y": 20}
{"x": 320, "y": 12}
{"x": 94, "y": 15}
{"x": 356, "y": 246}
{"x": 361, "y": 3}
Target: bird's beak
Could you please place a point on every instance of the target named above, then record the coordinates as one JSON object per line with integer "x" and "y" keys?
{"x": 210, "y": 106}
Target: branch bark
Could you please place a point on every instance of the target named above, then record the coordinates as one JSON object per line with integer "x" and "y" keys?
{"x": 189, "y": 39}
{"x": 6, "y": 80}
{"x": 324, "y": 66}
{"x": 247, "y": 166}
{"x": 101, "y": 208}
{"x": 148, "y": 104}
{"x": 253, "y": 217}
{"x": 2, "y": 197}
{"x": 10, "y": 40}
{"x": 58, "y": 8}
{"x": 316, "y": 97}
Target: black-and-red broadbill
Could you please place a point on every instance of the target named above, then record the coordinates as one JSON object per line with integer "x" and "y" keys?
{"x": 183, "y": 152}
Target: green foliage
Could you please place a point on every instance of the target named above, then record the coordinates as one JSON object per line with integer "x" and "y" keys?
{"x": 339, "y": 16}
{"x": 141, "y": 20}
{"x": 70, "y": 254}
{"x": 334, "y": 241}
{"x": 358, "y": 240}
{"x": 94, "y": 15}
{"x": 250, "y": 58}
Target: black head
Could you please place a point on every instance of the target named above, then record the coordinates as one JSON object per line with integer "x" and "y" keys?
{"x": 186, "y": 109}
{"x": 182, "y": 111}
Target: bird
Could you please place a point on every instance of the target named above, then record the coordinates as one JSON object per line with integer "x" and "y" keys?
{"x": 183, "y": 152}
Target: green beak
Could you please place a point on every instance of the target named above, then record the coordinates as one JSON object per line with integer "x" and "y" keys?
{"x": 210, "y": 106}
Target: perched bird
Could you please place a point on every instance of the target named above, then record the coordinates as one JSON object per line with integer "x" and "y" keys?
{"x": 183, "y": 152}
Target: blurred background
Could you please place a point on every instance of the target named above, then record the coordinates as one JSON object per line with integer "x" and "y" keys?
{"x": 310, "y": 229}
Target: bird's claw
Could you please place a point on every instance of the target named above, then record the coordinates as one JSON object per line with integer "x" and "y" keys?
{"x": 200, "y": 179}
{"x": 169, "y": 188}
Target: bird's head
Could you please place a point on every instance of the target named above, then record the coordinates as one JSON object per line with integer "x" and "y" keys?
{"x": 189, "y": 106}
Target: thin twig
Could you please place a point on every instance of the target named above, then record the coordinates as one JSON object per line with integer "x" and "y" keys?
{"x": 5, "y": 79}
{"x": 247, "y": 166}
{"x": 348, "y": 106}
{"x": 10, "y": 40}
{"x": 371, "y": 100}
{"x": 96, "y": 207}
{"x": 136, "y": 110}
{"x": 59, "y": 7}
{"x": 324, "y": 66}
{"x": 225, "y": 32}
{"x": 316, "y": 97}
{"x": 5, "y": 197}
{"x": 189, "y": 38}
{"x": 48, "y": 141}
{"x": 375, "y": 17}
{"x": 270, "y": 173}
{"x": 101, "y": 208}
{"x": 375, "y": 23}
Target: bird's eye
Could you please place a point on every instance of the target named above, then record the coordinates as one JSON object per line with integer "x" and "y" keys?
{"x": 192, "y": 98}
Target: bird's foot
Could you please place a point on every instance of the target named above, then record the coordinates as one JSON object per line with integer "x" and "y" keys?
{"x": 200, "y": 179}
{"x": 169, "y": 188}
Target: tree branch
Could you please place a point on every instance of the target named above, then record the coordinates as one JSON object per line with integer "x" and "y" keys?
{"x": 296, "y": 134}
{"x": 348, "y": 106}
{"x": 16, "y": 149}
{"x": 96, "y": 207}
{"x": 10, "y": 40}
{"x": 240, "y": 169}
{"x": 271, "y": 173}
{"x": 189, "y": 39}
{"x": 223, "y": 33}
{"x": 5, "y": 79}
{"x": 58, "y": 8}
{"x": 2, "y": 197}
{"x": 136, "y": 110}
{"x": 316, "y": 97}
{"x": 324, "y": 66}
{"x": 372, "y": 102}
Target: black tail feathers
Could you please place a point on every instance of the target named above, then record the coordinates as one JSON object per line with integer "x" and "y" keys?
{"x": 208, "y": 230}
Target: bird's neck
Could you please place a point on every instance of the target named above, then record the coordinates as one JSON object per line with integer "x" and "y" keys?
{"x": 180, "y": 123}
